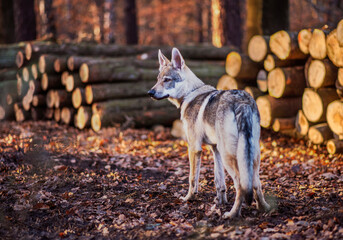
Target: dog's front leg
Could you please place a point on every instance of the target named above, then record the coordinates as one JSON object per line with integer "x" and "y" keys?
{"x": 194, "y": 172}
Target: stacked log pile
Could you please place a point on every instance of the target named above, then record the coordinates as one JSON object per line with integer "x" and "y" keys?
{"x": 303, "y": 75}
{"x": 88, "y": 85}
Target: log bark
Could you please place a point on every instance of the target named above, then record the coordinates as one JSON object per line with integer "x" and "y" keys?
{"x": 253, "y": 91}
{"x": 340, "y": 33}
{"x": 334, "y": 146}
{"x": 261, "y": 80}
{"x": 285, "y": 45}
{"x": 322, "y": 74}
{"x": 73, "y": 81}
{"x": 227, "y": 82}
{"x": 304, "y": 38}
{"x": 46, "y": 63}
{"x": 39, "y": 100}
{"x": 136, "y": 118}
{"x": 334, "y": 116}
{"x": 240, "y": 66}
{"x": 38, "y": 113}
{"x": 8, "y": 74}
{"x": 62, "y": 99}
{"x": 286, "y": 82}
{"x": 60, "y": 64}
{"x": 83, "y": 117}
{"x": 258, "y": 48}
{"x": 102, "y": 92}
{"x": 281, "y": 124}
{"x": 301, "y": 123}
{"x": 317, "y": 45}
{"x": 51, "y": 81}
{"x": 314, "y": 103}
{"x": 272, "y": 62}
{"x": 78, "y": 97}
{"x": 142, "y": 103}
{"x": 320, "y": 133}
{"x": 271, "y": 108}
{"x": 67, "y": 115}
{"x": 334, "y": 51}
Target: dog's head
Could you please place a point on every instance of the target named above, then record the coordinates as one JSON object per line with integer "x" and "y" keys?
{"x": 171, "y": 78}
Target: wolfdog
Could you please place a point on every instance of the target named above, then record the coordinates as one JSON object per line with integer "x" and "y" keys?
{"x": 227, "y": 121}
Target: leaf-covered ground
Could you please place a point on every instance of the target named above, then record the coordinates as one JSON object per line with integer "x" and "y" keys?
{"x": 58, "y": 182}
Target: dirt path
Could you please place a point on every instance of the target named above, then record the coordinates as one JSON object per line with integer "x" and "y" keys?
{"x": 58, "y": 182}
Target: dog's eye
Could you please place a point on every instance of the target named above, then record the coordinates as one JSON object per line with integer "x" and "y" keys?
{"x": 167, "y": 79}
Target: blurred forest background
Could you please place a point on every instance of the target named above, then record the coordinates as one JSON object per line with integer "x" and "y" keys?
{"x": 161, "y": 22}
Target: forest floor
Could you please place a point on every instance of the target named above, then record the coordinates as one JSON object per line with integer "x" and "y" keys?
{"x": 59, "y": 182}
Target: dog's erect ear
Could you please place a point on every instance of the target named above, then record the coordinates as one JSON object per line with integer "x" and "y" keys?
{"x": 177, "y": 59}
{"x": 163, "y": 60}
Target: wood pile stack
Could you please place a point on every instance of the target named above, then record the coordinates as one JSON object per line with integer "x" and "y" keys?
{"x": 303, "y": 75}
{"x": 89, "y": 85}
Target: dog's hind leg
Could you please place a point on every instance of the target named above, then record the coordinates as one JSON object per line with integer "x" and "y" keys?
{"x": 258, "y": 195}
{"x": 194, "y": 172}
{"x": 219, "y": 176}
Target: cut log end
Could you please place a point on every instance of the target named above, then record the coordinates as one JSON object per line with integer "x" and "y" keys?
{"x": 320, "y": 133}
{"x": 257, "y": 48}
{"x": 301, "y": 123}
{"x": 264, "y": 108}
{"x": 96, "y": 122}
{"x": 304, "y": 38}
{"x": 89, "y": 94}
{"x": 334, "y": 116}
{"x": 19, "y": 60}
{"x": 334, "y": 146}
{"x": 84, "y": 72}
{"x": 77, "y": 98}
{"x": 233, "y": 63}
{"x": 317, "y": 45}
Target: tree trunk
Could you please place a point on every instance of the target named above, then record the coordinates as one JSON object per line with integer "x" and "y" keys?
{"x": 240, "y": 66}
{"x": 131, "y": 29}
{"x": 334, "y": 146}
{"x": 261, "y": 81}
{"x": 286, "y": 82}
{"x": 301, "y": 123}
{"x": 322, "y": 74}
{"x": 78, "y": 97}
{"x": 7, "y": 34}
{"x": 319, "y": 133}
{"x": 281, "y": 124}
{"x": 135, "y": 118}
{"x": 334, "y": 51}
{"x": 272, "y": 62}
{"x": 275, "y": 16}
{"x": 314, "y": 103}
{"x": 271, "y": 108}
{"x": 258, "y": 48}
{"x": 317, "y": 45}
{"x": 24, "y": 20}
{"x": 304, "y": 38}
{"x": 334, "y": 116}
{"x": 285, "y": 45}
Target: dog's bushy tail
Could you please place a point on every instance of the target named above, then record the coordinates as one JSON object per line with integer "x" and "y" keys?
{"x": 245, "y": 150}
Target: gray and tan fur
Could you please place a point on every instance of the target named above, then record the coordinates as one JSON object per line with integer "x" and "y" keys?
{"x": 228, "y": 121}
